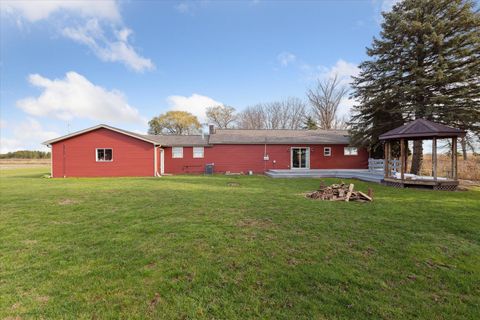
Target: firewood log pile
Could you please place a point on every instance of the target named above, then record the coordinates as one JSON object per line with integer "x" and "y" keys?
{"x": 340, "y": 192}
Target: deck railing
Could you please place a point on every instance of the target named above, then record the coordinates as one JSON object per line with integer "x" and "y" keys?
{"x": 378, "y": 165}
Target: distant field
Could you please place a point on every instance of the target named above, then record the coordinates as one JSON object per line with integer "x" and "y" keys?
{"x": 467, "y": 169}
{"x": 23, "y": 163}
{"x": 232, "y": 247}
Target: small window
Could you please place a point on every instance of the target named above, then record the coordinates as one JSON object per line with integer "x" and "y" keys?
{"x": 327, "y": 151}
{"x": 104, "y": 155}
{"x": 350, "y": 151}
{"x": 177, "y": 152}
{"x": 198, "y": 152}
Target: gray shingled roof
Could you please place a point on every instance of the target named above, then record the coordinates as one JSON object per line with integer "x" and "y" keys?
{"x": 171, "y": 140}
{"x": 179, "y": 140}
{"x": 243, "y": 136}
{"x": 422, "y": 128}
{"x": 231, "y": 136}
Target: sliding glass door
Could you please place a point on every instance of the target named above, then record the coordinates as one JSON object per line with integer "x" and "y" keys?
{"x": 300, "y": 158}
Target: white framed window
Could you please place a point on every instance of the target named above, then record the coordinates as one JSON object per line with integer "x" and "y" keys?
{"x": 350, "y": 151}
{"x": 327, "y": 151}
{"x": 177, "y": 152}
{"x": 104, "y": 154}
{"x": 198, "y": 152}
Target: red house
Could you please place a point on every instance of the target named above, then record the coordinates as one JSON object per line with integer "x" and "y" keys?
{"x": 105, "y": 151}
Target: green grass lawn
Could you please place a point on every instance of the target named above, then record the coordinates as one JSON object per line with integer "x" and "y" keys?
{"x": 228, "y": 247}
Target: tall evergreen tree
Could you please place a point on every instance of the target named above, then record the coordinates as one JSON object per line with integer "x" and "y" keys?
{"x": 426, "y": 64}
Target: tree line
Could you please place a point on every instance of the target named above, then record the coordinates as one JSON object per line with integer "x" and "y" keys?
{"x": 319, "y": 112}
{"x": 25, "y": 154}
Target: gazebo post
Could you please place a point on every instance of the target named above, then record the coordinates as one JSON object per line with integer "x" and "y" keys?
{"x": 406, "y": 155}
{"x": 386, "y": 156}
{"x": 434, "y": 158}
{"x": 454, "y": 158}
{"x": 402, "y": 158}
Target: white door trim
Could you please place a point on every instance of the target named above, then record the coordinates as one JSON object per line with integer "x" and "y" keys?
{"x": 162, "y": 161}
{"x": 307, "y": 158}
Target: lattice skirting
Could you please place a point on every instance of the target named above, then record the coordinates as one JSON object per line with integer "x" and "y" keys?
{"x": 399, "y": 184}
{"x": 445, "y": 187}
{"x": 393, "y": 184}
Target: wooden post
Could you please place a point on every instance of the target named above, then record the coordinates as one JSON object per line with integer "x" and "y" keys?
{"x": 386, "y": 157}
{"x": 434, "y": 158}
{"x": 402, "y": 158}
{"x": 406, "y": 155}
{"x": 454, "y": 158}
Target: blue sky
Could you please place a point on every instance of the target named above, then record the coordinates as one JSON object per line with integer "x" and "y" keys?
{"x": 65, "y": 66}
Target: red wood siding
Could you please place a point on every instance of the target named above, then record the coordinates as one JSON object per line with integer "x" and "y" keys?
{"x": 242, "y": 158}
{"x": 75, "y": 157}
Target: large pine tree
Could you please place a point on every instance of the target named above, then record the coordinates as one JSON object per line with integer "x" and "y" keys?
{"x": 425, "y": 64}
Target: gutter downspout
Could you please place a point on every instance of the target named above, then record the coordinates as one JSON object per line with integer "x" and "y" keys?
{"x": 51, "y": 160}
{"x": 155, "y": 162}
{"x": 264, "y": 157}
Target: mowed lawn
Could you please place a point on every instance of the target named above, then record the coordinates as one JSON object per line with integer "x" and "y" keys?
{"x": 228, "y": 247}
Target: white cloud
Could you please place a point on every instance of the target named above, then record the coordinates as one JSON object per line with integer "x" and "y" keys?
{"x": 286, "y": 58}
{"x": 98, "y": 25}
{"x": 107, "y": 49}
{"x": 183, "y": 7}
{"x": 380, "y": 6}
{"x": 27, "y": 135}
{"x": 387, "y": 5}
{"x": 345, "y": 106}
{"x": 195, "y": 104}
{"x": 76, "y": 97}
{"x": 343, "y": 69}
{"x": 34, "y": 11}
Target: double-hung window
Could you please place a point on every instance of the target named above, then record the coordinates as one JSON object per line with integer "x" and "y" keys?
{"x": 327, "y": 151}
{"x": 177, "y": 152}
{"x": 104, "y": 155}
{"x": 198, "y": 152}
{"x": 350, "y": 151}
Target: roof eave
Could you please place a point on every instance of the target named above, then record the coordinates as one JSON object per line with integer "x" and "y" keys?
{"x": 74, "y": 134}
{"x": 422, "y": 136}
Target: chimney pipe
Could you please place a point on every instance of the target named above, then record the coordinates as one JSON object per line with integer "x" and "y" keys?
{"x": 211, "y": 129}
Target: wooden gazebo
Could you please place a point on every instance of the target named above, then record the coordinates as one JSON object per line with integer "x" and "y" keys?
{"x": 420, "y": 129}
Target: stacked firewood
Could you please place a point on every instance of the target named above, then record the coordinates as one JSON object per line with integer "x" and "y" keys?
{"x": 340, "y": 192}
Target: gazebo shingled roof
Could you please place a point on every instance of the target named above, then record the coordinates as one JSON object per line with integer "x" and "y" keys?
{"x": 422, "y": 129}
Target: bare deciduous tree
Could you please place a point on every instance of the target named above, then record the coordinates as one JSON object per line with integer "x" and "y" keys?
{"x": 221, "y": 116}
{"x": 252, "y": 118}
{"x": 285, "y": 114}
{"x": 325, "y": 99}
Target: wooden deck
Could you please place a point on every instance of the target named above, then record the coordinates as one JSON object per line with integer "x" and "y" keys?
{"x": 360, "y": 174}
{"x": 443, "y": 184}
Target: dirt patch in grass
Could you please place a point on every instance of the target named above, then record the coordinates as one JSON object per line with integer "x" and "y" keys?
{"x": 233, "y": 184}
{"x": 43, "y": 299}
{"x": 66, "y": 202}
{"x": 154, "y": 302}
{"x": 30, "y": 242}
{"x": 256, "y": 223}
{"x": 16, "y": 306}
